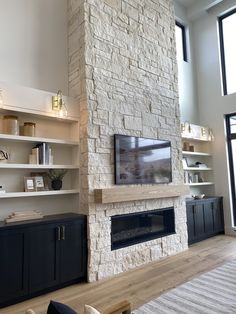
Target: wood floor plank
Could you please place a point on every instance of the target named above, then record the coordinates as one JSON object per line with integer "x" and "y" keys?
{"x": 142, "y": 284}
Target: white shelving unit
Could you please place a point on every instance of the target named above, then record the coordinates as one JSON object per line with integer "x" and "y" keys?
{"x": 186, "y": 153}
{"x": 200, "y": 184}
{"x": 198, "y": 178}
{"x": 21, "y": 138}
{"x": 38, "y": 193}
{"x": 31, "y": 166}
{"x": 62, "y": 136}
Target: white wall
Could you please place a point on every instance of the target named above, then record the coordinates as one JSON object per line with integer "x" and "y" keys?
{"x": 33, "y": 43}
{"x": 186, "y": 78}
{"x": 212, "y": 105}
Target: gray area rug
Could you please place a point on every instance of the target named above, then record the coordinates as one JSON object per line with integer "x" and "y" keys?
{"x": 211, "y": 293}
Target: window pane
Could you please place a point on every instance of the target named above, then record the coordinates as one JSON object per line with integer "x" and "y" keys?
{"x": 179, "y": 42}
{"x": 233, "y": 125}
{"x": 231, "y": 142}
{"x": 229, "y": 29}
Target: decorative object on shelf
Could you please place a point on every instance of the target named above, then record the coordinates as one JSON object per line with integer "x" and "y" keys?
{"x": 198, "y": 196}
{"x": 210, "y": 135}
{"x": 25, "y": 215}
{"x": 39, "y": 184}
{"x": 41, "y": 180}
{"x": 29, "y": 184}
{"x": 2, "y": 189}
{"x": 191, "y": 148}
{"x": 200, "y": 165}
{"x": 10, "y": 125}
{"x": 29, "y": 128}
{"x": 186, "y": 128}
{"x": 59, "y": 105}
{"x": 56, "y": 176}
{"x": 185, "y": 163}
{"x": 189, "y": 130}
{"x": 186, "y": 146}
{"x": 4, "y": 154}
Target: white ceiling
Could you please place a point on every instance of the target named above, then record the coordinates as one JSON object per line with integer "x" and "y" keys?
{"x": 196, "y": 8}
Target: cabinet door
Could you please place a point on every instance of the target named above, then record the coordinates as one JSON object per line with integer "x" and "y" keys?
{"x": 73, "y": 251}
{"x": 218, "y": 215}
{"x": 199, "y": 221}
{"x": 190, "y": 223}
{"x": 208, "y": 217}
{"x": 43, "y": 257}
{"x": 12, "y": 265}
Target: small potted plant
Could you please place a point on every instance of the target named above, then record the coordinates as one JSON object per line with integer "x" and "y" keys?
{"x": 56, "y": 176}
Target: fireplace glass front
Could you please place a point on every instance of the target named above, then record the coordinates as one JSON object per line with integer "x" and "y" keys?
{"x": 139, "y": 227}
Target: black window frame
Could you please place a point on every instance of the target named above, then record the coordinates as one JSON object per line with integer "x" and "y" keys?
{"x": 184, "y": 41}
{"x": 222, "y": 48}
{"x": 231, "y": 136}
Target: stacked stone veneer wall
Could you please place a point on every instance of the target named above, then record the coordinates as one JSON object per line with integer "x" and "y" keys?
{"x": 130, "y": 88}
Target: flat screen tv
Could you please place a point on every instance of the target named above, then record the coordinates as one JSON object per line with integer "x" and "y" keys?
{"x": 142, "y": 160}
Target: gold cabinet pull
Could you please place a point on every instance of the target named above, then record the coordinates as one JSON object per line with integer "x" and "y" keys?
{"x": 63, "y": 233}
{"x": 58, "y": 233}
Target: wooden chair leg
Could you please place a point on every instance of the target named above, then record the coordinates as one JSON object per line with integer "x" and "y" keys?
{"x": 123, "y": 307}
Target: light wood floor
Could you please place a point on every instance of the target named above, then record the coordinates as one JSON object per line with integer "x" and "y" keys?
{"x": 142, "y": 284}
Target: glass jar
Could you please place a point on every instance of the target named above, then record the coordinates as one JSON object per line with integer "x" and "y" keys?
{"x": 29, "y": 129}
{"x": 10, "y": 125}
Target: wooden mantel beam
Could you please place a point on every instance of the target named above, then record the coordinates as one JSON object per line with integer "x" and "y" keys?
{"x": 135, "y": 193}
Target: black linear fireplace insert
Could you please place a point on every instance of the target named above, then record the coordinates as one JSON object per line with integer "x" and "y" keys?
{"x": 139, "y": 227}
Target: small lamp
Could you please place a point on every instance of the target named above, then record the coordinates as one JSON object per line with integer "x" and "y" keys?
{"x": 58, "y": 104}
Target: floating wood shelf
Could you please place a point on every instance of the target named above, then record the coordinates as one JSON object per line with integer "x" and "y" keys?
{"x": 124, "y": 194}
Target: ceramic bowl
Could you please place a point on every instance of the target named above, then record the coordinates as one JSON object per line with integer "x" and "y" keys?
{"x": 198, "y": 196}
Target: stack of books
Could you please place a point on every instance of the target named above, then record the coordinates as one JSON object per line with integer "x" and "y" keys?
{"x": 41, "y": 155}
{"x": 25, "y": 215}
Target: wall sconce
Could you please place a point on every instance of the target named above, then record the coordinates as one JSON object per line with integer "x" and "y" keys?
{"x": 58, "y": 105}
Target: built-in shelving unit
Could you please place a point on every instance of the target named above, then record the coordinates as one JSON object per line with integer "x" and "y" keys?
{"x": 61, "y": 134}
{"x": 197, "y": 160}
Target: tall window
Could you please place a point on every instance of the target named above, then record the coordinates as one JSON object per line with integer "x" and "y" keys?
{"x": 180, "y": 35}
{"x": 230, "y": 120}
{"x": 227, "y": 29}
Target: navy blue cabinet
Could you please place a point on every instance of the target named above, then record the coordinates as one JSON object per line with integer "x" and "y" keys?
{"x": 41, "y": 256}
{"x": 205, "y": 218}
{"x": 13, "y": 266}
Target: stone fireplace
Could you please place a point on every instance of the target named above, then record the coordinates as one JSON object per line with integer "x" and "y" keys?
{"x": 123, "y": 72}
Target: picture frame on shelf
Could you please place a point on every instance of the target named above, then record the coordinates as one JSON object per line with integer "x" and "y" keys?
{"x": 41, "y": 180}
{"x": 29, "y": 183}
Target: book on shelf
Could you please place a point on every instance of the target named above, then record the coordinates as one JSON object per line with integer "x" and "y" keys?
{"x": 34, "y": 157}
{"x": 43, "y": 153}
